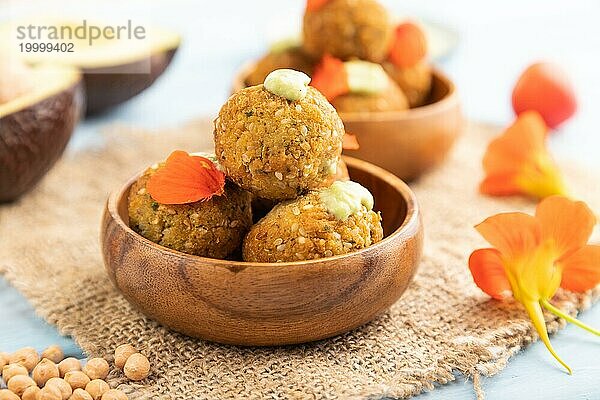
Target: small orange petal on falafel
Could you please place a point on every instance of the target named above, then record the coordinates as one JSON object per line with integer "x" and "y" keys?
{"x": 409, "y": 45}
{"x": 186, "y": 179}
{"x": 330, "y": 77}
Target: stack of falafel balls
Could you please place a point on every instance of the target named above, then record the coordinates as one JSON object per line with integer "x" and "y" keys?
{"x": 355, "y": 32}
{"x": 276, "y": 191}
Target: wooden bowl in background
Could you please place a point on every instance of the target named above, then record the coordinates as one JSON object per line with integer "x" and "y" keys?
{"x": 263, "y": 304}
{"x": 406, "y": 143}
{"x": 36, "y": 127}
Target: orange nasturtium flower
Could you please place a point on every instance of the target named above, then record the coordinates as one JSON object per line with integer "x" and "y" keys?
{"x": 518, "y": 161}
{"x": 186, "y": 178}
{"x": 535, "y": 255}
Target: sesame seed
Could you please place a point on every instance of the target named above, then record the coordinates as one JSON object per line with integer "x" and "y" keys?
{"x": 142, "y": 191}
{"x": 296, "y": 211}
{"x": 337, "y": 236}
{"x": 347, "y": 245}
{"x": 294, "y": 227}
{"x": 278, "y": 241}
{"x": 307, "y": 207}
{"x": 235, "y": 223}
{"x": 328, "y": 253}
{"x": 279, "y": 175}
{"x": 302, "y": 231}
{"x": 281, "y": 247}
{"x": 304, "y": 129}
{"x": 298, "y": 108}
{"x": 279, "y": 113}
{"x": 301, "y": 239}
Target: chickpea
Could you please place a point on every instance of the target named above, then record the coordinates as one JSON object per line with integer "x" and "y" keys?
{"x": 137, "y": 367}
{"x": 96, "y": 368}
{"x": 18, "y": 383}
{"x": 97, "y": 388}
{"x": 44, "y": 371}
{"x": 27, "y": 357}
{"x": 80, "y": 394}
{"x": 12, "y": 370}
{"x": 67, "y": 365}
{"x": 77, "y": 379}
{"x": 49, "y": 393}
{"x": 122, "y": 353}
{"x": 53, "y": 353}
{"x": 30, "y": 393}
{"x": 4, "y": 359}
{"x": 6, "y": 394}
{"x": 60, "y": 384}
{"x": 114, "y": 394}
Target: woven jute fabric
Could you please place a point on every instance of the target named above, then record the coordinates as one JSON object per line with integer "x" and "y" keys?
{"x": 442, "y": 326}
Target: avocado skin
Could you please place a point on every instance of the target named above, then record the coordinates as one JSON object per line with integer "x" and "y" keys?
{"x": 33, "y": 139}
{"x": 110, "y": 86}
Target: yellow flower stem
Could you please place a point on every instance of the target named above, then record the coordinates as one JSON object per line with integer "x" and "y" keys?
{"x": 556, "y": 311}
{"x": 536, "y": 315}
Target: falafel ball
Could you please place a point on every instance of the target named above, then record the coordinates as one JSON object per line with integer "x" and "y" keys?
{"x": 415, "y": 81}
{"x": 213, "y": 228}
{"x": 332, "y": 221}
{"x": 293, "y": 58}
{"x": 275, "y": 147}
{"x": 348, "y": 29}
{"x": 390, "y": 99}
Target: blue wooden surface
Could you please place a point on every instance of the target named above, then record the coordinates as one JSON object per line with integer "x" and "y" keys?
{"x": 497, "y": 41}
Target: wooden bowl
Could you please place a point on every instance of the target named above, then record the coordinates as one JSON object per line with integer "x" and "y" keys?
{"x": 406, "y": 143}
{"x": 264, "y": 304}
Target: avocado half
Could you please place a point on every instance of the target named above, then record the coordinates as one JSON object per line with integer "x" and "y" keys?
{"x": 113, "y": 71}
{"x": 36, "y": 126}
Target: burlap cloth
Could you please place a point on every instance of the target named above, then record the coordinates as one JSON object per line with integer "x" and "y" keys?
{"x": 442, "y": 326}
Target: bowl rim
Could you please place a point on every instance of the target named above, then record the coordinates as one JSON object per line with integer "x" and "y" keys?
{"x": 448, "y": 101}
{"x": 409, "y": 227}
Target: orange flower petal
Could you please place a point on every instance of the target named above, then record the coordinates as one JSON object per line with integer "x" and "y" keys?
{"x": 519, "y": 144}
{"x": 330, "y": 77}
{"x": 581, "y": 269}
{"x": 513, "y": 234}
{"x": 350, "y": 142}
{"x": 186, "y": 179}
{"x": 568, "y": 223}
{"x": 314, "y": 5}
{"x": 409, "y": 46}
{"x": 500, "y": 185}
{"x": 488, "y": 273}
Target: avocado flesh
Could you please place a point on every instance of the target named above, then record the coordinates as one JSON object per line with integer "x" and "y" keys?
{"x": 36, "y": 126}
{"x": 113, "y": 70}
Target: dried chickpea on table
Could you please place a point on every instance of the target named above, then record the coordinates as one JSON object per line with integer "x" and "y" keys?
{"x": 27, "y": 375}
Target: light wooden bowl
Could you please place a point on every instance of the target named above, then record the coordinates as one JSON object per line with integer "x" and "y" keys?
{"x": 406, "y": 143}
{"x": 263, "y": 304}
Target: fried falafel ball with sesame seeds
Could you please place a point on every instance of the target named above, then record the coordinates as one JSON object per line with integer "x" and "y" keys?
{"x": 370, "y": 89}
{"x": 294, "y": 58}
{"x": 331, "y": 221}
{"x": 348, "y": 29}
{"x": 415, "y": 81}
{"x": 280, "y": 139}
{"x": 213, "y": 228}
